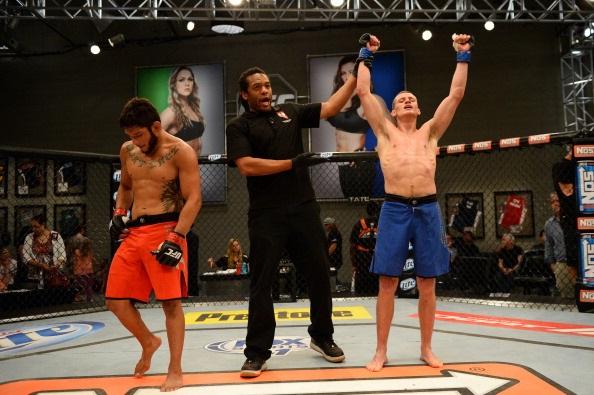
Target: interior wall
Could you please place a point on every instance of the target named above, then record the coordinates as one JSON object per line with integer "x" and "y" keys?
{"x": 71, "y": 101}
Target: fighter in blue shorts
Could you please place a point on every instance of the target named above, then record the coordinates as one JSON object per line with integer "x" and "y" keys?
{"x": 410, "y": 213}
{"x": 403, "y": 220}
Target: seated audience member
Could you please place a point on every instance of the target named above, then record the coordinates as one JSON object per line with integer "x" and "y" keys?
{"x": 334, "y": 239}
{"x": 233, "y": 259}
{"x": 465, "y": 246}
{"x": 44, "y": 253}
{"x": 8, "y": 269}
{"x": 509, "y": 260}
{"x": 80, "y": 253}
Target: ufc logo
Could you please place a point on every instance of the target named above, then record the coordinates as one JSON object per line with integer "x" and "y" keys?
{"x": 172, "y": 253}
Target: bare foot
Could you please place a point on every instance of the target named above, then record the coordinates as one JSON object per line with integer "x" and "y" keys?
{"x": 144, "y": 363}
{"x": 430, "y": 359}
{"x": 173, "y": 382}
{"x": 377, "y": 362}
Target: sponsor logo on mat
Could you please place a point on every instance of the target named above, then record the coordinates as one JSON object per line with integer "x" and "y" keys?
{"x": 30, "y": 338}
{"x": 282, "y": 345}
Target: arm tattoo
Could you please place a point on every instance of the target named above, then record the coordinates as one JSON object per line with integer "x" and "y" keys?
{"x": 171, "y": 196}
{"x": 151, "y": 163}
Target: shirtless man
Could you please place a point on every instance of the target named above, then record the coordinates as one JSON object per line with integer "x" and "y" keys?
{"x": 410, "y": 212}
{"x": 160, "y": 183}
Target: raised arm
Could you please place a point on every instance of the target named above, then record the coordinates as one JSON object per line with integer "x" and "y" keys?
{"x": 373, "y": 109}
{"x": 447, "y": 108}
{"x": 190, "y": 187}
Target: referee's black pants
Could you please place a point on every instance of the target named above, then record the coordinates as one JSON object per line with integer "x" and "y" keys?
{"x": 298, "y": 229}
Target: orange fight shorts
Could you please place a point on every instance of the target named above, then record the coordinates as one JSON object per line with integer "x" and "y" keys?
{"x": 135, "y": 272}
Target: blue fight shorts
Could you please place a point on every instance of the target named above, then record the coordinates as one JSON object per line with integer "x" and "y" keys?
{"x": 416, "y": 220}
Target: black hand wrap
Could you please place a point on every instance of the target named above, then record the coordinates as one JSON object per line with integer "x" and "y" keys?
{"x": 306, "y": 159}
{"x": 365, "y": 55}
{"x": 169, "y": 252}
{"x": 117, "y": 224}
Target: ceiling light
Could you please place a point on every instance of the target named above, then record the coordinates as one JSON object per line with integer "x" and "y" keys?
{"x": 190, "y": 26}
{"x": 116, "y": 40}
{"x": 426, "y": 35}
{"x": 235, "y": 3}
{"x": 336, "y": 3}
{"x": 228, "y": 27}
{"x": 95, "y": 49}
{"x": 489, "y": 25}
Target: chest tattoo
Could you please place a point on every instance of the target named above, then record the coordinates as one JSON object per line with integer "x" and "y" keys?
{"x": 150, "y": 163}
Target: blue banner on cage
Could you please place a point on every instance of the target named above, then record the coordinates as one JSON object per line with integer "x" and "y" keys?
{"x": 587, "y": 259}
{"x": 585, "y": 186}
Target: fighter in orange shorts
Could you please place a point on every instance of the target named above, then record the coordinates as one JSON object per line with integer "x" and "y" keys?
{"x": 160, "y": 184}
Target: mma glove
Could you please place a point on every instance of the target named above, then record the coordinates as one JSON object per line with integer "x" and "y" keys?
{"x": 306, "y": 159}
{"x": 365, "y": 55}
{"x": 117, "y": 225}
{"x": 462, "y": 56}
{"x": 169, "y": 252}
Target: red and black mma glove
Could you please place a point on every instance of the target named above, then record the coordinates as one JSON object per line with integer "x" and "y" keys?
{"x": 365, "y": 55}
{"x": 169, "y": 252}
{"x": 117, "y": 225}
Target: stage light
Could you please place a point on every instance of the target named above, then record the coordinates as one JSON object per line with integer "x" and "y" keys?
{"x": 235, "y": 3}
{"x": 336, "y": 3}
{"x": 489, "y": 25}
{"x": 576, "y": 52}
{"x": 95, "y": 49}
{"x": 227, "y": 27}
{"x": 426, "y": 35}
{"x": 116, "y": 40}
{"x": 190, "y": 26}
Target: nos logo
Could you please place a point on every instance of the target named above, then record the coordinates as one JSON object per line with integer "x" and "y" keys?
{"x": 45, "y": 335}
{"x": 280, "y": 346}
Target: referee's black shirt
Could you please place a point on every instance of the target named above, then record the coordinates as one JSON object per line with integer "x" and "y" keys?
{"x": 274, "y": 135}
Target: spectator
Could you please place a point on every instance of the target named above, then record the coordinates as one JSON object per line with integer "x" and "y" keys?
{"x": 466, "y": 246}
{"x": 44, "y": 253}
{"x": 554, "y": 250}
{"x": 334, "y": 242}
{"x": 363, "y": 238}
{"x": 80, "y": 255}
{"x": 233, "y": 259}
{"x": 564, "y": 183}
{"x": 509, "y": 259}
{"x": 8, "y": 269}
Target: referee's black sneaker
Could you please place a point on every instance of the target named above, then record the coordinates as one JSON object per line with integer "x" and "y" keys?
{"x": 252, "y": 367}
{"x": 329, "y": 350}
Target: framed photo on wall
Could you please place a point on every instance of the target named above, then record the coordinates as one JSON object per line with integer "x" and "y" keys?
{"x": 68, "y": 218}
{"x": 190, "y": 99}
{"x": 348, "y": 131}
{"x": 3, "y": 177}
{"x": 464, "y": 212}
{"x": 29, "y": 177}
{"x": 3, "y": 220}
{"x": 22, "y": 219}
{"x": 70, "y": 177}
{"x": 514, "y": 213}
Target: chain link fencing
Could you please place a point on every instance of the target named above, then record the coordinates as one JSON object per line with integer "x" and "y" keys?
{"x": 55, "y": 208}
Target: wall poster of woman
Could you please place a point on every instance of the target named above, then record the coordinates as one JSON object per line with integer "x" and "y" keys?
{"x": 348, "y": 131}
{"x": 191, "y": 103}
